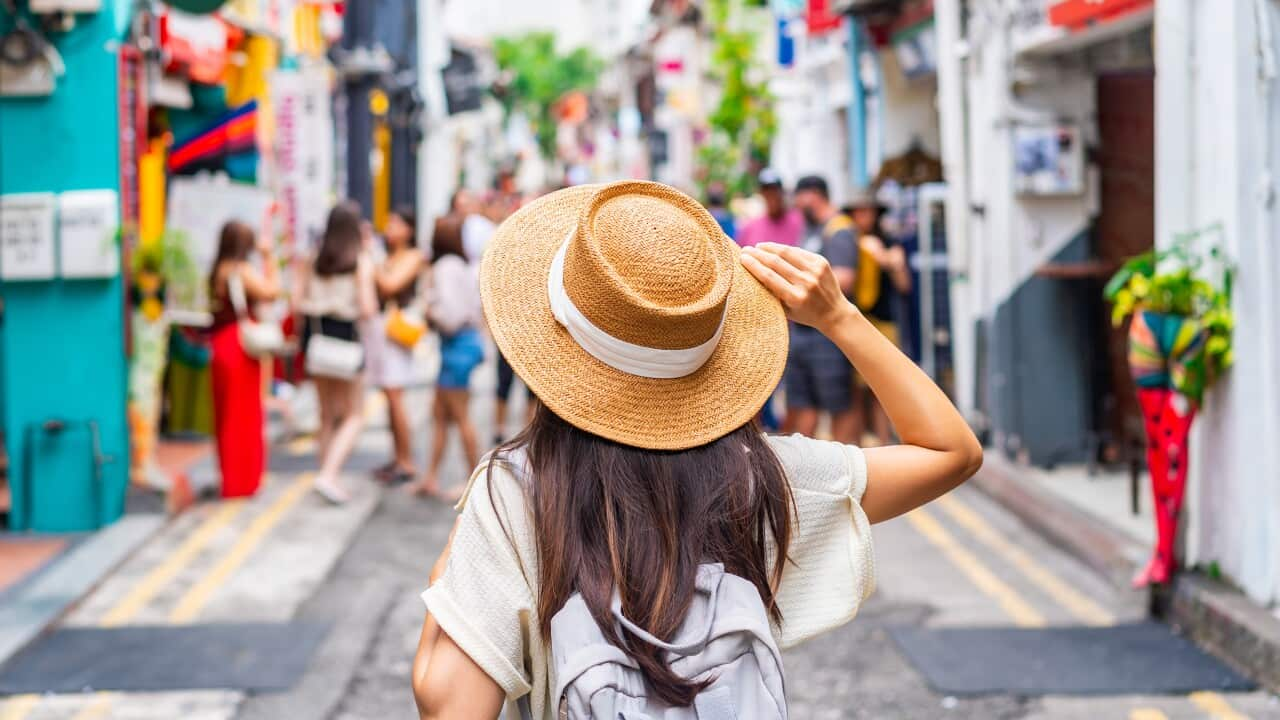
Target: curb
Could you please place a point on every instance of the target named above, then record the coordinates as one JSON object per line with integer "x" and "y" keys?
{"x": 1215, "y": 616}
{"x": 38, "y": 602}
{"x": 1226, "y": 623}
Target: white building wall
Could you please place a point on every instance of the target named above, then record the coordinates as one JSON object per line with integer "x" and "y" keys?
{"x": 813, "y": 99}
{"x": 910, "y": 110}
{"x": 1010, "y": 236}
{"x": 1218, "y": 152}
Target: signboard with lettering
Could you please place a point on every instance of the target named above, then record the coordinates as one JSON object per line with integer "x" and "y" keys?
{"x": 303, "y": 152}
{"x": 26, "y": 236}
{"x": 88, "y": 222}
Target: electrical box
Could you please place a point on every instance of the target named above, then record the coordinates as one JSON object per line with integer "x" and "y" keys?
{"x": 27, "y": 236}
{"x": 88, "y": 225}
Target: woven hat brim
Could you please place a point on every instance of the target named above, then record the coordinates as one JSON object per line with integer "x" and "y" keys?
{"x": 658, "y": 414}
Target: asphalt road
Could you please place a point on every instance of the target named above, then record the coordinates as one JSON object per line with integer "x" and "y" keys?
{"x": 286, "y": 555}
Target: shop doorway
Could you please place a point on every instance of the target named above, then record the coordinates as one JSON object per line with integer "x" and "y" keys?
{"x": 1125, "y": 226}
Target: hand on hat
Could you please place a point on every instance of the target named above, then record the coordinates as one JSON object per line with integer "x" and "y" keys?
{"x": 802, "y": 280}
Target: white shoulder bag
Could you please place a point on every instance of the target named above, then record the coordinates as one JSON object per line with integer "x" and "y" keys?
{"x": 259, "y": 339}
{"x": 331, "y": 357}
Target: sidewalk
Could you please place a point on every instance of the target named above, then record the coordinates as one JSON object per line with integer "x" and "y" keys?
{"x": 1089, "y": 519}
{"x": 44, "y": 577}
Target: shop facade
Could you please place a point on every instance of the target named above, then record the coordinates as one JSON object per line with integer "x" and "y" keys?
{"x": 111, "y": 224}
{"x": 1076, "y": 135}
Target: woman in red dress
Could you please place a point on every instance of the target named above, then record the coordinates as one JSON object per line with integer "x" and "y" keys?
{"x": 239, "y": 422}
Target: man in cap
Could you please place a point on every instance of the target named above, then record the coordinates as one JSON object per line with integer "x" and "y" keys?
{"x": 818, "y": 378}
{"x": 780, "y": 223}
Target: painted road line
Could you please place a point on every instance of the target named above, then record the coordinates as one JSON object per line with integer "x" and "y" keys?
{"x": 146, "y": 589}
{"x": 195, "y": 599}
{"x": 1147, "y": 714}
{"x": 96, "y": 709}
{"x": 1080, "y": 606}
{"x": 1022, "y": 613}
{"x": 301, "y": 445}
{"x": 18, "y": 707}
{"x": 1215, "y": 706}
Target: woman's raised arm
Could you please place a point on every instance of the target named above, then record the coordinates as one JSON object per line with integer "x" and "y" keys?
{"x": 938, "y": 450}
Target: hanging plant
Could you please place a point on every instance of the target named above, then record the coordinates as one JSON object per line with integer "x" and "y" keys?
{"x": 164, "y": 264}
{"x": 1175, "y": 282}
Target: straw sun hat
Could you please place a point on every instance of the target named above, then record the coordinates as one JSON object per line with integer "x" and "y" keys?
{"x": 626, "y": 310}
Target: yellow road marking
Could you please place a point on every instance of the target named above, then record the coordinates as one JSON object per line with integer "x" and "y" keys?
{"x": 96, "y": 709}
{"x": 301, "y": 445}
{"x": 1010, "y": 601}
{"x": 1147, "y": 714}
{"x": 146, "y": 589}
{"x": 1215, "y": 705}
{"x": 195, "y": 599}
{"x": 1076, "y": 603}
{"x": 18, "y": 707}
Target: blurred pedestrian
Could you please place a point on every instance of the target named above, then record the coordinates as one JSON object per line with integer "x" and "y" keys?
{"x": 477, "y": 228}
{"x": 454, "y": 311}
{"x": 718, "y": 206}
{"x": 818, "y": 378}
{"x": 779, "y": 224}
{"x": 236, "y": 285}
{"x": 500, "y": 206}
{"x": 396, "y": 334}
{"x": 642, "y": 489}
{"x": 884, "y": 280}
{"x": 338, "y": 294}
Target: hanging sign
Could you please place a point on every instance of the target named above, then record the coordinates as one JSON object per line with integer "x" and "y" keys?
{"x": 26, "y": 236}
{"x": 88, "y": 223}
{"x": 462, "y": 92}
{"x": 197, "y": 45}
{"x": 1048, "y": 159}
{"x": 1080, "y": 14}
{"x": 303, "y": 152}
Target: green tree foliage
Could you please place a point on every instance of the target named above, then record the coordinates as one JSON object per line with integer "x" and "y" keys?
{"x": 535, "y": 77}
{"x": 743, "y": 124}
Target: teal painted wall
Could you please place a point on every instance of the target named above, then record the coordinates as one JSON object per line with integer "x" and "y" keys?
{"x": 62, "y": 351}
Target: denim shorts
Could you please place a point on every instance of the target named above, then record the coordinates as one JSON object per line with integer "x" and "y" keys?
{"x": 818, "y": 376}
{"x": 460, "y": 353}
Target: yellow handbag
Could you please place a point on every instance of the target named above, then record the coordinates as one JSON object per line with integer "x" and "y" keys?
{"x": 404, "y": 330}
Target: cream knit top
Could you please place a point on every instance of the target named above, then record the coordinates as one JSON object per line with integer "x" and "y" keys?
{"x": 486, "y": 602}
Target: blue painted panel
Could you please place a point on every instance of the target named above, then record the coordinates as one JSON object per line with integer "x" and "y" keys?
{"x": 62, "y": 342}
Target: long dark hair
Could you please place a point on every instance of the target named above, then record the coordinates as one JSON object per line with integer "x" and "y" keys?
{"x": 235, "y": 242}
{"x": 410, "y": 218}
{"x": 609, "y": 515}
{"x": 340, "y": 244}
{"x": 446, "y": 239}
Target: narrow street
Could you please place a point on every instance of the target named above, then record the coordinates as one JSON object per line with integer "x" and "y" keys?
{"x": 356, "y": 571}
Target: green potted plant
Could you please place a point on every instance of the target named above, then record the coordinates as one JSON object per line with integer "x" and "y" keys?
{"x": 1178, "y": 304}
{"x": 163, "y": 265}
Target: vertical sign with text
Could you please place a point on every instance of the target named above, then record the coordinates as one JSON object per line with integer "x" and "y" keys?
{"x": 304, "y": 149}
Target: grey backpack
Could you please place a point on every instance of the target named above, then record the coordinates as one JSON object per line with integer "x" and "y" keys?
{"x": 725, "y": 638}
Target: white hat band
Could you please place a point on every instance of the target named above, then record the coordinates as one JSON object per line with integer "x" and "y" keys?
{"x": 621, "y": 355}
